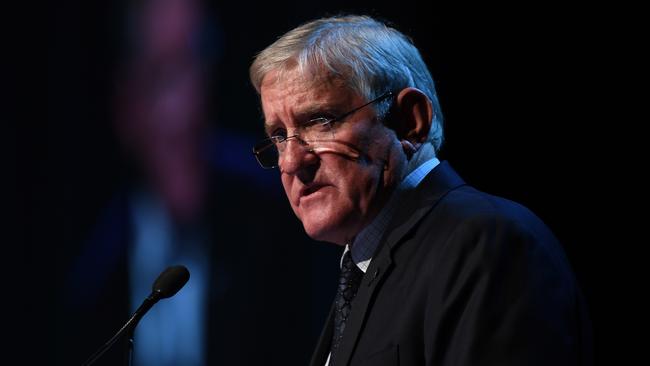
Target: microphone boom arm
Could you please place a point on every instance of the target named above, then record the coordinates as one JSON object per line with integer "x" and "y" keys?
{"x": 129, "y": 326}
{"x": 166, "y": 285}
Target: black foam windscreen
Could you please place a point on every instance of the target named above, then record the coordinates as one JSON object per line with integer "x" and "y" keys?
{"x": 170, "y": 281}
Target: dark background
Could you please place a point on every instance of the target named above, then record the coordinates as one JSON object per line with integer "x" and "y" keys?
{"x": 526, "y": 92}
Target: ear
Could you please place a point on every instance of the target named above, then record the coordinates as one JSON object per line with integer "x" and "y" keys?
{"x": 412, "y": 119}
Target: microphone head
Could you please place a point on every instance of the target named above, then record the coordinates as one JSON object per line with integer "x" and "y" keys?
{"x": 170, "y": 281}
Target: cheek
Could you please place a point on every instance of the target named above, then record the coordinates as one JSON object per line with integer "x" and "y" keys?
{"x": 356, "y": 184}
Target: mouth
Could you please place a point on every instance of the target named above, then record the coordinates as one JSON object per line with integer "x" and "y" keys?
{"x": 310, "y": 190}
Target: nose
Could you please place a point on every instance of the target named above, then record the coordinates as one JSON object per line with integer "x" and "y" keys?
{"x": 297, "y": 158}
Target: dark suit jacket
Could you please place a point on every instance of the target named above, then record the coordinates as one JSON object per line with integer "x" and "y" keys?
{"x": 464, "y": 278}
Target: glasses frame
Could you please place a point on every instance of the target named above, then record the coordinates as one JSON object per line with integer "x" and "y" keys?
{"x": 322, "y": 121}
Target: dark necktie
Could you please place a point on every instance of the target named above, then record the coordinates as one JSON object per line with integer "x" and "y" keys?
{"x": 349, "y": 282}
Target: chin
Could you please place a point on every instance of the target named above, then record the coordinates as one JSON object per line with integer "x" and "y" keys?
{"x": 327, "y": 220}
{"x": 323, "y": 230}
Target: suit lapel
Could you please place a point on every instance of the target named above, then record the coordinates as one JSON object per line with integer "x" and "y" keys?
{"x": 360, "y": 305}
{"x": 419, "y": 201}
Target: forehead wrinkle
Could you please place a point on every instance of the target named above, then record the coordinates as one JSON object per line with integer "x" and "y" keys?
{"x": 290, "y": 104}
{"x": 297, "y": 97}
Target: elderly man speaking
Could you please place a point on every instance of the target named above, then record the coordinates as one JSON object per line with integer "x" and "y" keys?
{"x": 434, "y": 272}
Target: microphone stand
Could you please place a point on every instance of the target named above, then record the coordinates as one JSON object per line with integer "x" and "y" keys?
{"x": 129, "y": 360}
{"x": 129, "y": 327}
{"x": 166, "y": 285}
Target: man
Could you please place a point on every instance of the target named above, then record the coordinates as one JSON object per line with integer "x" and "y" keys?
{"x": 453, "y": 276}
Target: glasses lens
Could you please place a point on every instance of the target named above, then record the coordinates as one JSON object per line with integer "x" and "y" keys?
{"x": 267, "y": 154}
{"x": 320, "y": 130}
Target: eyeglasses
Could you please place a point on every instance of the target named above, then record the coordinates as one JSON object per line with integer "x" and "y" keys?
{"x": 267, "y": 152}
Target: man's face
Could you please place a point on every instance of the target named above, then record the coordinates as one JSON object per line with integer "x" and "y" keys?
{"x": 337, "y": 189}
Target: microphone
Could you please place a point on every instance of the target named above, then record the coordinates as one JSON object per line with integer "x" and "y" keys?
{"x": 168, "y": 283}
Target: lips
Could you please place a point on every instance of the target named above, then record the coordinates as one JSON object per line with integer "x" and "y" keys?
{"x": 307, "y": 193}
{"x": 312, "y": 188}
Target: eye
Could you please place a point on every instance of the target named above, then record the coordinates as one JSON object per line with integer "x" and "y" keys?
{"x": 279, "y": 132}
{"x": 318, "y": 125}
{"x": 317, "y": 121}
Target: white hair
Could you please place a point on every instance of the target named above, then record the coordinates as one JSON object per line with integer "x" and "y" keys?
{"x": 370, "y": 57}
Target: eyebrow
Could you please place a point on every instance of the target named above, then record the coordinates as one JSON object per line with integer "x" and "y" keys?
{"x": 303, "y": 116}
